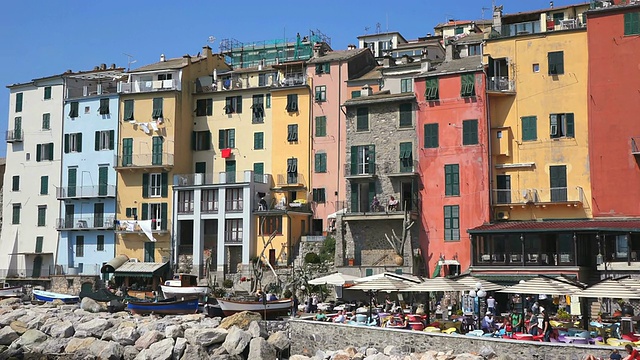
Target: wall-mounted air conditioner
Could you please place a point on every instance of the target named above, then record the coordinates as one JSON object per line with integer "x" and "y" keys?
{"x": 502, "y": 215}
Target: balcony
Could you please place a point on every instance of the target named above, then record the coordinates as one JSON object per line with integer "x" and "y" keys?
{"x": 363, "y": 210}
{"x": 204, "y": 85}
{"x": 501, "y": 85}
{"x": 85, "y": 222}
{"x": 635, "y": 145}
{"x": 597, "y": 4}
{"x": 144, "y": 161}
{"x": 127, "y": 226}
{"x": 14, "y": 136}
{"x": 148, "y": 86}
{"x": 360, "y": 170}
{"x": 539, "y": 197}
{"x": 92, "y": 89}
{"x": 84, "y": 192}
{"x": 521, "y": 28}
{"x": 295, "y": 206}
{"x": 516, "y": 259}
{"x": 291, "y": 180}
{"x": 295, "y": 79}
{"x": 220, "y": 178}
{"x": 400, "y": 168}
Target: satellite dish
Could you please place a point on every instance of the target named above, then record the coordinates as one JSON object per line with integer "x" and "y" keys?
{"x": 211, "y": 39}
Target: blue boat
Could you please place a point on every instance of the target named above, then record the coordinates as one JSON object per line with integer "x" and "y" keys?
{"x": 48, "y": 296}
{"x": 171, "y": 307}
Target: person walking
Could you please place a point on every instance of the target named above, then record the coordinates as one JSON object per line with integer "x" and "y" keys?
{"x": 546, "y": 326}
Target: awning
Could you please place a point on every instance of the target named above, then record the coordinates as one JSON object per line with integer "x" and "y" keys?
{"x": 448, "y": 262}
{"x": 621, "y": 225}
{"x": 335, "y": 214}
{"x": 543, "y": 285}
{"x": 471, "y": 281}
{"x": 437, "y": 284}
{"x": 381, "y": 284}
{"x": 410, "y": 279}
{"x": 142, "y": 269}
{"x": 612, "y": 289}
{"x": 338, "y": 279}
{"x": 114, "y": 263}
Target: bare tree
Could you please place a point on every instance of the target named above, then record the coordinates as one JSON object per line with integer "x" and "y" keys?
{"x": 397, "y": 244}
{"x": 257, "y": 263}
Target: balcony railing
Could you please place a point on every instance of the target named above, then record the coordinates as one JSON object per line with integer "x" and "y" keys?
{"x": 561, "y": 195}
{"x": 80, "y": 192}
{"x": 573, "y": 194}
{"x": 77, "y": 269}
{"x": 501, "y": 84}
{"x": 144, "y": 161}
{"x": 148, "y": 86}
{"x": 381, "y": 207}
{"x": 88, "y": 222}
{"x": 522, "y": 28}
{"x": 220, "y": 178}
{"x": 132, "y": 226}
{"x": 360, "y": 169}
{"x": 597, "y": 4}
{"x": 297, "y": 206}
{"x": 399, "y": 168}
{"x": 91, "y": 90}
{"x": 291, "y": 180}
{"x": 518, "y": 259}
{"x": 635, "y": 145}
{"x": 293, "y": 80}
{"x": 26, "y": 273}
{"x": 14, "y": 135}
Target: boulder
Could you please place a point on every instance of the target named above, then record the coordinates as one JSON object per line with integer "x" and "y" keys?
{"x": 57, "y": 302}
{"x": 10, "y": 301}
{"x": 51, "y": 346}
{"x": 106, "y": 350}
{"x": 241, "y": 320}
{"x": 147, "y": 339}
{"x": 61, "y": 329}
{"x": 178, "y": 348}
{"x": 193, "y": 317}
{"x": 18, "y": 326}
{"x": 299, "y": 357}
{"x": 37, "y": 322}
{"x": 341, "y": 355}
{"x": 90, "y": 305}
{"x": 76, "y": 344}
{"x": 193, "y": 352}
{"x": 7, "y": 335}
{"x": 81, "y": 312}
{"x": 30, "y": 338}
{"x": 174, "y": 331}
{"x": 211, "y": 322}
{"x": 236, "y": 341}
{"x": 370, "y": 351}
{"x": 205, "y": 337}
{"x": 254, "y": 329}
{"x": 391, "y": 350}
{"x": 161, "y": 350}
{"x": 467, "y": 356}
{"x": 279, "y": 340}
{"x": 125, "y": 335}
{"x": 93, "y": 328}
{"x": 6, "y": 319}
{"x": 259, "y": 348}
{"x": 130, "y": 352}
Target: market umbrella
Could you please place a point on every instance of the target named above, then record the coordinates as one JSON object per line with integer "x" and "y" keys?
{"x": 632, "y": 283}
{"x": 542, "y": 285}
{"x": 410, "y": 279}
{"x": 337, "y": 279}
{"x": 437, "y": 284}
{"x": 610, "y": 288}
{"x": 471, "y": 281}
{"x": 380, "y": 284}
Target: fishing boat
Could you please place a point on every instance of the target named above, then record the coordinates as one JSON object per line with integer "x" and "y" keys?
{"x": 184, "y": 286}
{"x": 10, "y": 291}
{"x": 164, "y": 307}
{"x": 48, "y": 296}
{"x": 272, "y": 308}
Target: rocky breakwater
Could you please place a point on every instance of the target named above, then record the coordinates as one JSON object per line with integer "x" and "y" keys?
{"x": 59, "y": 331}
{"x": 392, "y": 352}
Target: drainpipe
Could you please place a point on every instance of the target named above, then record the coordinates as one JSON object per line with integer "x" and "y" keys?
{"x": 338, "y": 178}
{"x": 489, "y": 151}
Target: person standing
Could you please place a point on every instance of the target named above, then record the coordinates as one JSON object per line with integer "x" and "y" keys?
{"x": 546, "y": 326}
{"x": 533, "y": 322}
{"x": 491, "y": 304}
{"x": 516, "y": 321}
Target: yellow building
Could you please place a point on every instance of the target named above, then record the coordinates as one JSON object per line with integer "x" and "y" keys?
{"x": 155, "y": 129}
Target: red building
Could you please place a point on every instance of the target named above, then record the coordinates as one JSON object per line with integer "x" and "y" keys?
{"x": 613, "y": 35}
{"x": 454, "y": 159}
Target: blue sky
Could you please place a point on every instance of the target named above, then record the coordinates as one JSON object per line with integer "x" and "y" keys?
{"x": 43, "y": 37}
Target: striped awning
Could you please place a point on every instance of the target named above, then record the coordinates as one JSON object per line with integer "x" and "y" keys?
{"x": 438, "y": 284}
{"x": 401, "y": 277}
{"x": 542, "y": 285}
{"x": 611, "y": 289}
{"x": 381, "y": 284}
{"x": 471, "y": 281}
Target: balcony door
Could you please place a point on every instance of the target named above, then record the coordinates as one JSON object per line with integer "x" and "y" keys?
{"x": 17, "y": 128}
{"x": 71, "y": 181}
{"x": 503, "y": 183}
{"x": 98, "y": 215}
{"x": 103, "y": 179}
{"x": 69, "y": 211}
{"x": 558, "y": 182}
{"x": 230, "y": 169}
{"x": 362, "y": 195}
{"x": 363, "y": 159}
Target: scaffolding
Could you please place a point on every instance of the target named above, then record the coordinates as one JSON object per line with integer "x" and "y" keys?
{"x": 270, "y": 52}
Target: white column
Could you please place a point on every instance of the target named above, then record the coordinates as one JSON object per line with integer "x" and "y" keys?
{"x": 221, "y": 228}
{"x": 198, "y": 233}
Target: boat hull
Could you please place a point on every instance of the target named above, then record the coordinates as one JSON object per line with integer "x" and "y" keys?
{"x": 184, "y": 291}
{"x": 180, "y": 307}
{"x": 14, "y": 291}
{"x": 272, "y": 308}
{"x": 48, "y": 296}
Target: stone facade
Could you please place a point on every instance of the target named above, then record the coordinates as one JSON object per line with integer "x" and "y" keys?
{"x": 72, "y": 284}
{"x": 309, "y": 336}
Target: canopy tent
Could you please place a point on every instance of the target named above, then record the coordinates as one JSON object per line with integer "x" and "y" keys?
{"x": 335, "y": 214}
{"x": 542, "y": 285}
{"x": 437, "y": 284}
{"x": 381, "y": 284}
{"x": 471, "y": 281}
{"x": 337, "y": 279}
{"x": 610, "y": 288}
{"x": 142, "y": 269}
{"x": 411, "y": 279}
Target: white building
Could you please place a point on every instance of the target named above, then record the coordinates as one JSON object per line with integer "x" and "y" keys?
{"x": 29, "y": 236}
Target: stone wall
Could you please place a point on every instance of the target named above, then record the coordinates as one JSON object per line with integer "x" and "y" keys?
{"x": 309, "y": 336}
{"x": 72, "y": 284}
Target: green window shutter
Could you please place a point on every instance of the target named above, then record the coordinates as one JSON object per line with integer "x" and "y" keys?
{"x": 127, "y": 151}
{"x": 128, "y": 212}
{"x": 42, "y": 216}
{"x": 222, "y": 142}
{"x": 112, "y": 139}
{"x": 258, "y": 140}
{"x": 145, "y": 185}
{"x": 207, "y": 140}
{"x": 144, "y": 211}
{"x": 71, "y": 181}
{"x": 318, "y": 69}
{"x": 46, "y": 121}
{"x": 355, "y": 94}
{"x": 362, "y": 123}
{"x": 232, "y": 138}
{"x": 39, "y": 241}
{"x": 406, "y": 115}
{"x": 15, "y": 186}
{"x": 157, "y": 108}
{"x": 47, "y": 92}
{"x": 326, "y": 68}
{"x": 50, "y": 145}
{"x": 456, "y": 180}
{"x": 96, "y": 140}
{"x": 451, "y": 180}
{"x": 128, "y": 110}
{"x": 320, "y": 162}
{"x": 194, "y": 136}
{"x": 66, "y": 143}
{"x": 104, "y": 107}
{"x": 570, "y": 125}
{"x": 469, "y": 132}
{"x": 73, "y": 111}
{"x": 321, "y": 126}
{"x": 267, "y": 102}
{"x": 44, "y": 185}
{"x": 164, "y": 179}
{"x": 103, "y": 180}
{"x": 354, "y": 160}
{"x": 258, "y": 168}
{"x": 372, "y": 193}
{"x": 78, "y": 142}
{"x": 431, "y": 136}
{"x": 406, "y": 157}
{"x": 628, "y": 24}
{"x": 209, "y": 107}
{"x": 529, "y": 128}
{"x": 163, "y": 216}
{"x": 239, "y": 104}
{"x": 555, "y": 60}
{"x": 468, "y": 82}
{"x": 156, "y": 150}
{"x": 38, "y": 152}
{"x": 19, "y": 97}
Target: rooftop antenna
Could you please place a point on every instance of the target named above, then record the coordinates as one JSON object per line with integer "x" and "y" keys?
{"x": 211, "y": 39}
{"x": 485, "y": 9}
{"x": 378, "y": 28}
{"x": 129, "y": 60}
{"x": 387, "y": 14}
{"x": 366, "y": 29}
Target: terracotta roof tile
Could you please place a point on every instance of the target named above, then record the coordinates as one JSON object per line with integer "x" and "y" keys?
{"x": 627, "y": 225}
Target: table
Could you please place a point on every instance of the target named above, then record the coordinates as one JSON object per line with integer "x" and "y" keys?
{"x": 523, "y": 337}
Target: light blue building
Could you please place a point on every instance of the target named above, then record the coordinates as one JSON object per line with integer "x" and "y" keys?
{"x": 88, "y": 185}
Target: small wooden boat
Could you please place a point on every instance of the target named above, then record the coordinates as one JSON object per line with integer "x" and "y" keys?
{"x": 166, "y": 307}
{"x": 273, "y": 308}
{"x": 48, "y": 296}
{"x": 184, "y": 286}
{"x": 10, "y": 291}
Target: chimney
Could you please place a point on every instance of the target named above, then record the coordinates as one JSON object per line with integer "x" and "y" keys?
{"x": 428, "y": 34}
{"x": 449, "y": 52}
{"x": 162, "y": 58}
{"x": 351, "y": 47}
{"x": 186, "y": 57}
{"x": 103, "y": 66}
{"x": 113, "y": 66}
{"x": 551, "y": 4}
{"x": 318, "y": 50}
{"x": 406, "y": 60}
{"x": 425, "y": 64}
{"x": 96, "y": 68}
{"x": 388, "y": 61}
{"x": 497, "y": 19}
{"x": 366, "y": 91}
{"x": 206, "y": 51}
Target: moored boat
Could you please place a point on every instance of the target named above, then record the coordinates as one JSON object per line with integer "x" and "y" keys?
{"x": 10, "y": 291}
{"x": 272, "y": 308}
{"x": 49, "y": 296}
{"x": 184, "y": 286}
{"x": 175, "y": 307}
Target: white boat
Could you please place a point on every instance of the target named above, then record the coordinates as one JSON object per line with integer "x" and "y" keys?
{"x": 272, "y": 308}
{"x": 48, "y": 296}
{"x": 10, "y": 291}
{"x": 183, "y": 286}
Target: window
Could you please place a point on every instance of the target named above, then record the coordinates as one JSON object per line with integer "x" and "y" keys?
{"x": 355, "y": 94}
{"x": 536, "y": 67}
{"x": 79, "y": 246}
{"x": 292, "y": 133}
{"x": 319, "y": 195}
{"x": 503, "y": 192}
{"x": 321, "y": 93}
{"x": 321, "y": 126}
{"x": 233, "y": 230}
{"x": 233, "y": 105}
{"x": 632, "y": 23}
{"x": 104, "y": 140}
{"x": 258, "y": 141}
{"x": 406, "y": 85}
{"x": 262, "y": 79}
{"x": 406, "y": 115}
{"x": 267, "y": 102}
{"x": 432, "y": 93}
{"x": 44, "y": 152}
{"x": 155, "y": 185}
{"x": 468, "y": 85}
{"x": 39, "y": 242}
{"x": 204, "y": 107}
{"x": 87, "y": 109}
{"x": 292, "y": 102}
{"x": 15, "y": 219}
{"x": 556, "y": 62}
{"x": 362, "y": 119}
{"x": 227, "y": 138}
{"x": 323, "y": 68}
{"x": 128, "y": 110}
{"x": 469, "y": 132}
{"x": 44, "y": 185}
{"x": 156, "y": 150}
{"x": 47, "y": 92}
{"x": 201, "y": 140}
{"x": 19, "y": 97}
{"x": 475, "y": 49}
{"x": 270, "y": 225}
{"x": 157, "y": 108}
{"x": 258, "y": 172}
{"x": 258, "y": 109}
{"x": 104, "y": 107}
{"x": 73, "y": 109}
{"x": 100, "y": 243}
{"x": 15, "y": 183}
{"x": 363, "y": 160}
{"x": 406, "y": 157}
{"x": 72, "y": 143}
{"x": 165, "y": 76}
{"x": 131, "y": 213}
{"x": 431, "y": 136}
{"x": 321, "y": 162}
{"x": 42, "y": 215}
{"x": 459, "y": 30}
{"x": 451, "y": 223}
{"x": 557, "y": 18}
{"x": 185, "y": 201}
{"x": 558, "y": 183}
{"x": 451, "y": 180}
{"x": 157, "y": 213}
{"x": 209, "y": 201}
{"x": 149, "y": 252}
{"x": 561, "y": 125}
{"x": 292, "y": 171}
{"x": 127, "y": 151}
{"x": 46, "y": 121}
{"x": 529, "y": 128}
{"x": 234, "y": 199}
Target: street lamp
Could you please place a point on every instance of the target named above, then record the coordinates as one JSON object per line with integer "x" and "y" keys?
{"x": 478, "y": 294}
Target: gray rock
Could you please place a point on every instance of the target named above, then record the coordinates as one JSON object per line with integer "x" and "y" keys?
{"x": 259, "y": 348}
{"x": 205, "y": 337}
{"x": 391, "y": 350}
{"x": 320, "y": 355}
{"x": 6, "y": 319}
{"x": 254, "y": 329}
{"x": 125, "y": 336}
{"x": 370, "y": 351}
{"x": 174, "y": 331}
{"x": 51, "y": 346}
{"x": 130, "y": 352}
{"x": 7, "y": 335}
{"x": 210, "y": 322}
{"x": 107, "y": 335}
{"x": 30, "y": 338}
{"x": 81, "y": 312}
{"x": 299, "y": 357}
{"x": 19, "y": 326}
{"x": 93, "y": 328}
{"x": 107, "y": 350}
{"x": 60, "y": 329}
{"x": 147, "y": 339}
{"x": 10, "y": 301}
{"x": 178, "y": 348}
{"x": 236, "y": 340}
{"x": 90, "y": 305}
{"x": 467, "y": 356}
{"x": 193, "y": 352}
{"x": 76, "y": 344}
{"x": 161, "y": 350}
{"x": 279, "y": 340}
{"x": 12, "y": 352}
{"x": 379, "y": 356}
